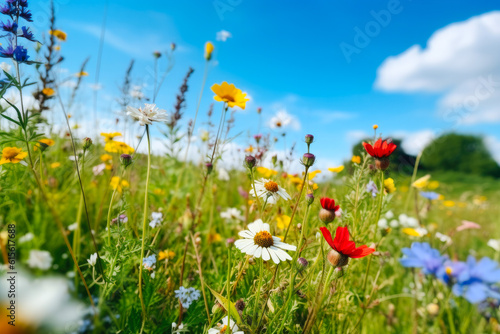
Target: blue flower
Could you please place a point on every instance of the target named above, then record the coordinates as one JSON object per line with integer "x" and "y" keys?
{"x": 149, "y": 262}
{"x": 20, "y": 54}
{"x": 7, "y": 9}
{"x": 27, "y": 34}
{"x": 450, "y": 270}
{"x": 430, "y": 195}
{"x": 26, "y": 14}
{"x": 371, "y": 187}
{"x": 8, "y": 52}
{"x": 187, "y": 296}
{"x": 475, "y": 282}
{"x": 421, "y": 255}
{"x": 9, "y": 26}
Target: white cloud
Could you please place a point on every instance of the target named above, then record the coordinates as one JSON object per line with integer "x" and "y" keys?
{"x": 461, "y": 61}
{"x": 223, "y": 35}
{"x": 493, "y": 144}
{"x": 414, "y": 142}
{"x": 354, "y": 136}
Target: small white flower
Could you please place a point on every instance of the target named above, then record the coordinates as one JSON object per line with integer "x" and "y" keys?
{"x": 443, "y": 237}
{"x": 389, "y": 214}
{"x": 495, "y": 244}
{"x": 156, "y": 219}
{"x": 97, "y": 170}
{"x": 39, "y": 259}
{"x": 147, "y": 115}
{"x": 269, "y": 191}
{"x": 222, "y": 328}
{"x": 394, "y": 223}
{"x": 93, "y": 259}
{"x": 382, "y": 223}
{"x": 72, "y": 227}
{"x": 258, "y": 242}
{"x": 222, "y": 174}
{"x": 174, "y": 326}
{"x": 27, "y": 237}
{"x": 283, "y": 119}
{"x": 338, "y": 213}
{"x": 232, "y": 214}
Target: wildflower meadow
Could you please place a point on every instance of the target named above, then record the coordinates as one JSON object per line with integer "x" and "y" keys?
{"x": 178, "y": 204}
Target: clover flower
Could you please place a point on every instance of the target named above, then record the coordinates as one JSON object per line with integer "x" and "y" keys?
{"x": 259, "y": 242}
{"x": 187, "y": 296}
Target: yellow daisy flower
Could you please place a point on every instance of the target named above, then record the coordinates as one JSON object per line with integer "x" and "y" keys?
{"x": 265, "y": 172}
{"x": 44, "y": 143}
{"x": 12, "y": 155}
{"x": 118, "y": 184}
{"x": 230, "y": 94}
{"x": 336, "y": 169}
{"x": 389, "y": 185}
{"x": 47, "y": 91}
{"x": 118, "y": 147}
{"x": 55, "y": 165}
{"x": 59, "y": 34}
{"x": 166, "y": 254}
{"x": 356, "y": 159}
{"x": 312, "y": 175}
{"x": 110, "y": 136}
{"x": 282, "y": 221}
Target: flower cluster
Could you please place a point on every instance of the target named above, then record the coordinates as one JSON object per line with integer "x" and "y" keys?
{"x": 474, "y": 280}
{"x": 187, "y": 296}
{"x": 16, "y": 9}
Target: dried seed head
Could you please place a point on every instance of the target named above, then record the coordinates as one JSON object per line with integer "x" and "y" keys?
{"x": 382, "y": 164}
{"x": 326, "y": 216}
{"x": 337, "y": 259}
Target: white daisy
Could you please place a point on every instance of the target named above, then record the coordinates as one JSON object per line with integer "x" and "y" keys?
{"x": 222, "y": 328}
{"x": 147, "y": 115}
{"x": 269, "y": 191}
{"x": 232, "y": 214}
{"x": 258, "y": 242}
{"x": 39, "y": 259}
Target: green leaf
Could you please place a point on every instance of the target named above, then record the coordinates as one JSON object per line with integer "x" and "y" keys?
{"x": 223, "y": 301}
{"x": 10, "y": 119}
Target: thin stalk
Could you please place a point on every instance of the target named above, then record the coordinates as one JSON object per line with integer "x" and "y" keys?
{"x": 413, "y": 177}
{"x": 257, "y": 296}
{"x": 110, "y": 209}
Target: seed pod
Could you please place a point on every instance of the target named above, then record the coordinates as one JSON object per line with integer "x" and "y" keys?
{"x": 382, "y": 164}
{"x": 337, "y": 259}
{"x": 326, "y": 216}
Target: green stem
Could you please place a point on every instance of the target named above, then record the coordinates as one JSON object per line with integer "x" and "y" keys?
{"x": 110, "y": 209}
{"x": 144, "y": 228}
{"x": 229, "y": 287}
{"x": 257, "y": 296}
{"x": 413, "y": 177}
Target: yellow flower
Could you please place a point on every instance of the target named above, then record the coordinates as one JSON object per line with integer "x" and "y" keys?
{"x": 205, "y": 136}
{"x": 110, "y": 136}
{"x": 118, "y": 147}
{"x": 433, "y": 185}
{"x": 59, "y": 34}
{"x": 55, "y": 165}
{"x": 12, "y": 155}
{"x": 249, "y": 149}
{"x": 57, "y": 48}
{"x": 411, "y": 231}
{"x": 106, "y": 157}
{"x": 214, "y": 237}
{"x": 265, "y": 172}
{"x": 229, "y": 93}
{"x": 209, "y": 48}
{"x": 422, "y": 182}
{"x": 118, "y": 184}
{"x": 45, "y": 142}
{"x": 282, "y": 221}
{"x": 47, "y": 91}
{"x": 449, "y": 204}
{"x": 389, "y": 185}
{"x": 336, "y": 169}
{"x": 166, "y": 254}
{"x": 375, "y": 126}
{"x": 159, "y": 191}
{"x": 312, "y": 175}
{"x": 81, "y": 74}
{"x": 356, "y": 159}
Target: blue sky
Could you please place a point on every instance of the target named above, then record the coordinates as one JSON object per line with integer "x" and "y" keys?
{"x": 290, "y": 56}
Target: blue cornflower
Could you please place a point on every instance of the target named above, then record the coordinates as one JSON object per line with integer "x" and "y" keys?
{"x": 7, "y": 9}
{"x": 371, "y": 187}
{"x": 26, "y": 14}
{"x": 475, "y": 282}
{"x": 429, "y": 195}
{"x": 187, "y": 296}
{"x": 23, "y": 3}
{"x": 27, "y": 34}
{"x": 8, "y": 52}
{"x": 450, "y": 270}
{"x": 20, "y": 54}
{"x": 149, "y": 262}
{"x": 9, "y": 26}
{"x": 421, "y": 255}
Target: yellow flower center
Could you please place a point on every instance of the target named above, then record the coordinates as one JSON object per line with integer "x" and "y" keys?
{"x": 449, "y": 271}
{"x": 10, "y": 153}
{"x": 278, "y": 124}
{"x": 263, "y": 239}
{"x": 271, "y": 186}
{"x": 223, "y": 329}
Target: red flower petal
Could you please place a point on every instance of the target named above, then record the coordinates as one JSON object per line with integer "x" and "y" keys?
{"x": 341, "y": 241}
{"x": 361, "y": 251}
{"x": 369, "y": 149}
{"x": 328, "y": 203}
{"x": 328, "y": 236}
{"x": 390, "y": 148}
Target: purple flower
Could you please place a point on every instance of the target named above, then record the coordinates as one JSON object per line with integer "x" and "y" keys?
{"x": 9, "y": 26}
{"x": 371, "y": 187}
{"x": 430, "y": 195}
{"x": 7, "y": 9}
{"x": 26, "y": 14}
{"x": 421, "y": 255}
{"x": 8, "y": 52}
{"x": 20, "y": 54}
{"x": 27, "y": 34}
{"x": 475, "y": 282}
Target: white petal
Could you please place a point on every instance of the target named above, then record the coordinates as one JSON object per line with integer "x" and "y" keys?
{"x": 258, "y": 252}
{"x": 255, "y": 226}
{"x": 246, "y": 234}
{"x": 265, "y": 254}
{"x": 265, "y": 227}
{"x": 273, "y": 255}
{"x": 251, "y": 250}
{"x": 286, "y": 246}
{"x": 247, "y": 247}
{"x": 280, "y": 253}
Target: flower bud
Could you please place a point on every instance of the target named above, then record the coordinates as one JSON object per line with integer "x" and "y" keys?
{"x": 302, "y": 263}
{"x": 309, "y": 198}
{"x": 375, "y": 126}
{"x": 230, "y": 242}
{"x": 308, "y": 159}
{"x": 210, "y": 167}
{"x": 157, "y": 54}
{"x": 126, "y": 159}
{"x": 259, "y": 110}
{"x": 257, "y": 138}
{"x": 337, "y": 259}
{"x": 309, "y": 139}
{"x": 209, "y": 48}
{"x": 240, "y": 305}
{"x": 172, "y": 46}
{"x": 87, "y": 142}
{"x": 382, "y": 164}
{"x": 250, "y": 161}
{"x": 326, "y": 216}
{"x": 432, "y": 309}
{"x": 299, "y": 226}
{"x": 274, "y": 159}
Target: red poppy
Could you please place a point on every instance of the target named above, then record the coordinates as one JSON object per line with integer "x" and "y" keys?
{"x": 381, "y": 149}
{"x": 329, "y": 204}
{"x": 343, "y": 245}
